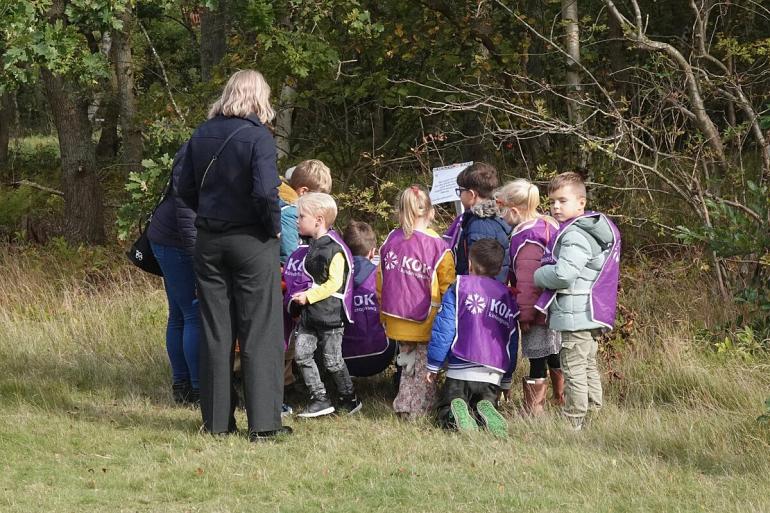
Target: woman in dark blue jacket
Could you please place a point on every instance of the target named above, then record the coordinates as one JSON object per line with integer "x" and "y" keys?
{"x": 229, "y": 178}
{"x": 172, "y": 237}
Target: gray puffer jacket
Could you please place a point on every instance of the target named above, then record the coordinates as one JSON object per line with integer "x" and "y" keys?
{"x": 580, "y": 252}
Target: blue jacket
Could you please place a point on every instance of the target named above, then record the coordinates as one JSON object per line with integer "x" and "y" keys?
{"x": 482, "y": 222}
{"x": 362, "y": 268}
{"x": 289, "y": 233}
{"x": 241, "y": 187}
{"x": 173, "y": 223}
{"x": 443, "y": 335}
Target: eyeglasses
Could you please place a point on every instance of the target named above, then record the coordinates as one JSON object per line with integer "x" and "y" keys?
{"x": 460, "y": 190}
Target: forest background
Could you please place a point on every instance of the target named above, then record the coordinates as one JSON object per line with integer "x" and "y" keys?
{"x": 663, "y": 106}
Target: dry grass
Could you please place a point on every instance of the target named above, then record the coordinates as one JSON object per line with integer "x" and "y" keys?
{"x": 87, "y": 423}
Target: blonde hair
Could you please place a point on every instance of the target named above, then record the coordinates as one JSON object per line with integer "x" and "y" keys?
{"x": 413, "y": 204}
{"x": 247, "y": 92}
{"x": 313, "y": 174}
{"x": 318, "y": 204}
{"x": 524, "y": 196}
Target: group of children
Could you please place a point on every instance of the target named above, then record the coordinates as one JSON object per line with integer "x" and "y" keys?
{"x": 502, "y": 274}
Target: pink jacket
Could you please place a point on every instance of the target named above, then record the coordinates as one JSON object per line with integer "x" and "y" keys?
{"x": 523, "y": 283}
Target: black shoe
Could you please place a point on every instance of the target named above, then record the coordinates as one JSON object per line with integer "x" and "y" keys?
{"x": 266, "y": 436}
{"x": 194, "y": 398}
{"x": 180, "y": 391}
{"x": 349, "y": 404}
{"x": 318, "y": 406}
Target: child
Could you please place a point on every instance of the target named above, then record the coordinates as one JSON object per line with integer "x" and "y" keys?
{"x": 307, "y": 176}
{"x": 366, "y": 349}
{"x": 475, "y": 332}
{"x": 480, "y": 219}
{"x": 581, "y": 274}
{"x": 520, "y": 200}
{"x": 415, "y": 270}
{"x": 325, "y": 306}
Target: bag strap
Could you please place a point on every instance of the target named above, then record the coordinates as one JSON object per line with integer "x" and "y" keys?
{"x": 219, "y": 151}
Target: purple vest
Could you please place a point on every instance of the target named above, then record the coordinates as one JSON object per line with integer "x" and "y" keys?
{"x": 603, "y": 295}
{"x": 297, "y": 280}
{"x": 366, "y": 336}
{"x": 408, "y": 269}
{"x": 485, "y": 319}
{"x": 452, "y": 234}
{"x": 538, "y": 232}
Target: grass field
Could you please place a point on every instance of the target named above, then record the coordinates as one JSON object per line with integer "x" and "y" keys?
{"x": 87, "y": 423}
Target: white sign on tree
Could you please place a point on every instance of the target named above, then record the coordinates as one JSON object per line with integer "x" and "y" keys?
{"x": 445, "y": 183}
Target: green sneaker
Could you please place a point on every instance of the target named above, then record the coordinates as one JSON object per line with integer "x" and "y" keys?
{"x": 493, "y": 420}
{"x": 463, "y": 419}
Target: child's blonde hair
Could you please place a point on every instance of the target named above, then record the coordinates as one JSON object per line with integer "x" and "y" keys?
{"x": 413, "y": 204}
{"x": 319, "y": 204}
{"x": 523, "y": 195}
{"x": 313, "y": 174}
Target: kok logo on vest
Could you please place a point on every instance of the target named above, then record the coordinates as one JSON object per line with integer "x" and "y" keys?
{"x": 476, "y": 303}
{"x": 407, "y": 265}
{"x": 363, "y": 302}
{"x": 293, "y": 266}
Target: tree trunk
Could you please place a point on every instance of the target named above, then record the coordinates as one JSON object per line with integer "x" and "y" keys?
{"x": 569, "y": 15}
{"x": 122, "y": 59}
{"x": 7, "y": 117}
{"x": 213, "y": 38}
{"x": 284, "y": 120}
{"x": 83, "y": 201}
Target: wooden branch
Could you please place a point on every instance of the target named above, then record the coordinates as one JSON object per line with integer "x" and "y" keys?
{"x": 49, "y": 190}
{"x": 163, "y": 72}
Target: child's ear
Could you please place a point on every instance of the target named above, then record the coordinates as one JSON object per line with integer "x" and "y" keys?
{"x": 582, "y": 202}
{"x": 302, "y": 191}
{"x": 371, "y": 254}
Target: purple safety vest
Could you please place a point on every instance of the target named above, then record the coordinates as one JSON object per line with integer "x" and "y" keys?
{"x": 452, "y": 234}
{"x": 408, "y": 269}
{"x": 603, "y": 296}
{"x": 366, "y": 336}
{"x": 485, "y": 319}
{"x": 538, "y": 232}
{"x": 297, "y": 280}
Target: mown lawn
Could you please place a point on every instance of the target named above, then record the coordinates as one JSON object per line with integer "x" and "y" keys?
{"x": 87, "y": 425}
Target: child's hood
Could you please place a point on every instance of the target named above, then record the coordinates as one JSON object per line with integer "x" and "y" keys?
{"x": 598, "y": 228}
{"x": 485, "y": 208}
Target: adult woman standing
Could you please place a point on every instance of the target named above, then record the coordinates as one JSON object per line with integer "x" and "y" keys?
{"x": 229, "y": 178}
{"x": 172, "y": 238}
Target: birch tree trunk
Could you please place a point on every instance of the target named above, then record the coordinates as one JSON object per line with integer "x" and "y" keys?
{"x": 122, "y": 59}
{"x": 284, "y": 120}
{"x": 7, "y": 117}
{"x": 569, "y": 15}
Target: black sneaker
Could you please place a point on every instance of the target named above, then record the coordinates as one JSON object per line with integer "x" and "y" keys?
{"x": 194, "y": 398}
{"x": 318, "y": 406}
{"x": 350, "y": 404}
{"x": 267, "y": 436}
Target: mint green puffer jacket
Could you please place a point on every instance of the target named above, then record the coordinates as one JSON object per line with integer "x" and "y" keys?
{"x": 580, "y": 256}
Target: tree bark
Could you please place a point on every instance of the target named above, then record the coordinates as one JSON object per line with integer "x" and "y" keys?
{"x": 7, "y": 117}
{"x": 122, "y": 59}
{"x": 284, "y": 120}
{"x": 569, "y": 15}
{"x": 213, "y": 38}
{"x": 83, "y": 200}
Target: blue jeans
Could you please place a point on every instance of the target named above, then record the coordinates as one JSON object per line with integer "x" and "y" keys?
{"x": 183, "y": 329}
